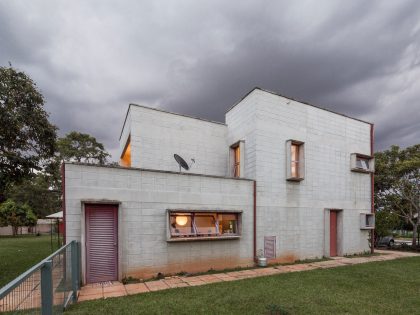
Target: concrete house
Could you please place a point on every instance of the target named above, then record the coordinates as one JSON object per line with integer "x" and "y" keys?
{"x": 281, "y": 178}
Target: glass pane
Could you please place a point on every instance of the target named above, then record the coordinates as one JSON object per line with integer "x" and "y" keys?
{"x": 294, "y": 152}
{"x": 228, "y": 224}
{"x": 205, "y": 224}
{"x": 236, "y": 162}
{"x": 181, "y": 225}
{"x": 294, "y": 171}
{"x": 362, "y": 163}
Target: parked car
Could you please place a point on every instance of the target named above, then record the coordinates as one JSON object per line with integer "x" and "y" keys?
{"x": 386, "y": 241}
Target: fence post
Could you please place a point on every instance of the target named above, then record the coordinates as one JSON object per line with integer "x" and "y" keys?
{"x": 74, "y": 269}
{"x": 46, "y": 288}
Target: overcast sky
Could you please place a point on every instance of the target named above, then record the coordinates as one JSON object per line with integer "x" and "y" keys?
{"x": 91, "y": 58}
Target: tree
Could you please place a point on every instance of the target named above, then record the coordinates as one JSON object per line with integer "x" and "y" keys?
{"x": 81, "y": 147}
{"x": 27, "y": 138}
{"x": 16, "y": 215}
{"x": 39, "y": 192}
{"x": 385, "y": 222}
{"x": 397, "y": 183}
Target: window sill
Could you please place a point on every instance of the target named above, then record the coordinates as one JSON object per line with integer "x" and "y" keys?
{"x": 367, "y": 228}
{"x": 204, "y": 238}
{"x": 295, "y": 179}
{"x": 360, "y": 170}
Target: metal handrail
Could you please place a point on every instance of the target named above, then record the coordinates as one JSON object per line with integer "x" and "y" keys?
{"x": 27, "y": 291}
{"x": 18, "y": 280}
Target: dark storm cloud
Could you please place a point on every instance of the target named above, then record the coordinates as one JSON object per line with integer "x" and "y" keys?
{"x": 92, "y": 59}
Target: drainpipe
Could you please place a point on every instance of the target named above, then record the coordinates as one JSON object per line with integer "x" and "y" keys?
{"x": 255, "y": 220}
{"x": 63, "y": 199}
{"x": 372, "y": 189}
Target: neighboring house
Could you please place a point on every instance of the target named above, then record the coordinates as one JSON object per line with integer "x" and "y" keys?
{"x": 281, "y": 177}
{"x": 42, "y": 226}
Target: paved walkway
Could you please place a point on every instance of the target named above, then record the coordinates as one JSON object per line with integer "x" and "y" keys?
{"x": 115, "y": 289}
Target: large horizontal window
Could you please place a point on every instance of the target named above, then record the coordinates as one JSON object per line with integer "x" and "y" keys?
{"x": 190, "y": 224}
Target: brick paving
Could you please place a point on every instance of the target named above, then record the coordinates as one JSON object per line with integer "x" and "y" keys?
{"x": 115, "y": 288}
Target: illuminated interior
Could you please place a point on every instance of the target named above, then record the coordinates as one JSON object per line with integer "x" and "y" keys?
{"x": 295, "y": 160}
{"x": 236, "y": 161}
{"x": 199, "y": 224}
{"x": 126, "y": 156}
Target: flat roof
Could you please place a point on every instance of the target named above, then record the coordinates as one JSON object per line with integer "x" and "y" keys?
{"x": 292, "y": 99}
{"x": 155, "y": 171}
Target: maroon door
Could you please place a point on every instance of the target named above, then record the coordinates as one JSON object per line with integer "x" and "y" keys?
{"x": 101, "y": 243}
{"x": 333, "y": 233}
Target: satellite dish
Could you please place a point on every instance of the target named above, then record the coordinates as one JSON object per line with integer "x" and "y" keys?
{"x": 181, "y": 162}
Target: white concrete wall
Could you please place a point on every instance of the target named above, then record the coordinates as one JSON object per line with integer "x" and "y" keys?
{"x": 241, "y": 122}
{"x": 157, "y": 135}
{"x": 144, "y": 198}
{"x": 294, "y": 212}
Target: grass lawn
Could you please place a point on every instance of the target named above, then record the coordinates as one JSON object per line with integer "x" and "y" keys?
{"x": 390, "y": 287}
{"x": 17, "y": 254}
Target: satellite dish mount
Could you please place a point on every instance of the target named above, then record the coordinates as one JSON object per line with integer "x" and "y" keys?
{"x": 182, "y": 164}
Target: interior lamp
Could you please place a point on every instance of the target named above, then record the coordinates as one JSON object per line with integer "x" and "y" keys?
{"x": 181, "y": 220}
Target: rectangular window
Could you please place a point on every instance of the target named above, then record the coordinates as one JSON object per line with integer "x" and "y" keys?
{"x": 236, "y": 161}
{"x": 295, "y": 160}
{"x": 203, "y": 224}
{"x": 362, "y": 163}
{"x": 367, "y": 221}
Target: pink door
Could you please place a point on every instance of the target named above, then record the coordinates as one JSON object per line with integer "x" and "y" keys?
{"x": 333, "y": 233}
{"x": 101, "y": 242}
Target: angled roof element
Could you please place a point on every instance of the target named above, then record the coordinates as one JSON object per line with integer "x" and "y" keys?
{"x": 292, "y": 99}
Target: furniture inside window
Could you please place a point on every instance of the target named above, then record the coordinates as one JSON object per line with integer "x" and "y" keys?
{"x": 200, "y": 224}
{"x": 362, "y": 163}
{"x": 295, "y": 160}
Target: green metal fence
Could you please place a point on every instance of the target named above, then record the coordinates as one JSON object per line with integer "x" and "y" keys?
{"x": 48, "y": 287}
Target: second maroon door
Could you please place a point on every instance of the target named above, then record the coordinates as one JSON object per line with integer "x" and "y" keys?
{"x": 333, "y": 233}
{"x": 101, "y": 243}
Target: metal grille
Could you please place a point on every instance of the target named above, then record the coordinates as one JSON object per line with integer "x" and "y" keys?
{"x": 270, "y": 247}
{"x": 46, "y": 288}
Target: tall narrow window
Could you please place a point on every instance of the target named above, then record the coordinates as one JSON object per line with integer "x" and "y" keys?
{"x": 126, "y": 156}
{"x": 236, "y": 161}
{"x": 294, "y": 152}
{"x": 295, "y": 160}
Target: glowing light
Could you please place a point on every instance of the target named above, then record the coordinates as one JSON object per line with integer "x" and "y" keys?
{"x": 181, "y": 220}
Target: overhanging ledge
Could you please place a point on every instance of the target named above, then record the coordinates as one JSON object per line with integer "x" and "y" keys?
{"x": 208, "y": 238}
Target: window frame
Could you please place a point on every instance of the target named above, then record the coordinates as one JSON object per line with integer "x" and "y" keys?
{"x": 203, "y": 237}
{"x": 236, "y": 161}
{"x": 358, "y": 156}
{"x": 367, "y": 218}
{"x": 300, "y": 163}
{"x": 236, "y": 166}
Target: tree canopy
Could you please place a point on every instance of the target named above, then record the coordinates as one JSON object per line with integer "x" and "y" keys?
{"x": 39, "y": 192}
{"x": 16, "y": 215}
{"x": 397, "y": 183}
{"x": 27, "y": 138}
{"x": 81, "y": 147}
